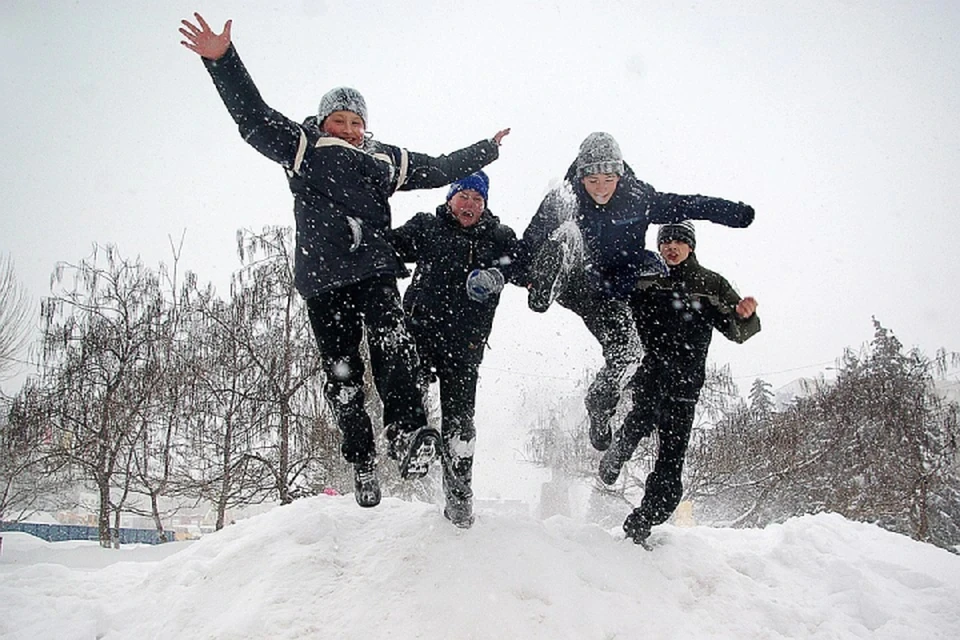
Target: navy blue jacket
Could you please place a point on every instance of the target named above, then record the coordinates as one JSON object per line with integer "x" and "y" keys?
{"x": 614, "y": 234}
{"x": 444, "y": 320}
{"x": 340, "y": 192}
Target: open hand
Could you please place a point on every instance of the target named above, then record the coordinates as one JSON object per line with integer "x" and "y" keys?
{"x": 203, "y": 40}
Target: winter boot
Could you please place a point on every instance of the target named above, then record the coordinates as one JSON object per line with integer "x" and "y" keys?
{"x": 600, "y": 432}
{"x": 366, "y": 487}
{"x": 545, "y": 275}
{"x": 612, "y": 462}
{"x": 459, "y": 512}
{"x": 603, "y": 395}
{"x": 458, "y": 493}
{"x": 414, "y": 451}
{"x": 637, "y": 529}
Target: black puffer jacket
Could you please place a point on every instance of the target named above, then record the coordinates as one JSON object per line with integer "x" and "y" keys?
{"x": 340, "y": 192}
{"x": 614, "y": 234}
{"x": 444, "y": 320}
{"x": 676, "y": 315}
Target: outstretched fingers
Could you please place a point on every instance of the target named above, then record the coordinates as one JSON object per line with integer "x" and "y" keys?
{"x": 203, "y": 40}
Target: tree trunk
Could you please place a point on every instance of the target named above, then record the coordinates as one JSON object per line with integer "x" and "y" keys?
{"x": 155, "y": 508}
{"x": 103, "y": 517}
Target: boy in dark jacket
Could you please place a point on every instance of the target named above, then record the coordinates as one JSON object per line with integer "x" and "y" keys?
{"x": 675, "y": 315}
{"x": 344, "y": 267}
{"x": 585, "y": 248}
{"x": 463, "y": 254}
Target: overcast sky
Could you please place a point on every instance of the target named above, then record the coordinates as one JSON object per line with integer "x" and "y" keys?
{"x": 837, "y": 120}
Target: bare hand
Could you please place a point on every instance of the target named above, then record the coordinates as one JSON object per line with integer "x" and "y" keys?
{"x": 203, "y": 40}
{"x": 746, "y": 307}
{"x": 500, "y": 135}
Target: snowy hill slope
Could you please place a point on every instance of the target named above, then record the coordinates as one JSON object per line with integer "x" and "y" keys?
{"x": 324, "y": 568}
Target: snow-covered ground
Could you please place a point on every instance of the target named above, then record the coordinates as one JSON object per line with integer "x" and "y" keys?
{"x": 324, "y": 568}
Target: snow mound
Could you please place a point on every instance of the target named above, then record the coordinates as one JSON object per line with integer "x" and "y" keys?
{"x": 324, "y": 568}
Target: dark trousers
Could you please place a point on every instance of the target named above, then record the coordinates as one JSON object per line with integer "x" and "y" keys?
{"x": 339, "y": 318}
{"x": 611, "y": 323}
{"x": 609, "y": 320}
{"x": 457, "y": 377}
{"x": 458, "y": 397}
{"x": 656, "y": 408}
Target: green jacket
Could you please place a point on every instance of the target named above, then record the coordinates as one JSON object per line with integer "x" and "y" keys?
{"x": 676, "y": 315}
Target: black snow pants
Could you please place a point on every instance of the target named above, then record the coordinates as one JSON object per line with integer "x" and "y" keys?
{"x": 609, "y": 320}
{"x": 661, "y": 404}
{"x": 339, "y": 318}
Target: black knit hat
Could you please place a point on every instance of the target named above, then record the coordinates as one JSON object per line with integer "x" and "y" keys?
{"x": 682, "y": 231}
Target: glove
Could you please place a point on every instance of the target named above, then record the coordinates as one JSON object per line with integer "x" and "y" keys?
{"x": 651, "y": 264}
{"x": 483, "y": 283}
{"x": 356, "y": 232}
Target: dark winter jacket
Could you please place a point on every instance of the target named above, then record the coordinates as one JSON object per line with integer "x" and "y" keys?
{"x": 444, "y": 320}
{"x": 676, "y": 315}
{"x": 340, "y": 192}
{"x": 614, "y": 234}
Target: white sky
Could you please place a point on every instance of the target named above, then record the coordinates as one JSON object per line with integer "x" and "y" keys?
{"x": 836, "y": 120}
{"x": 324, "y": 568}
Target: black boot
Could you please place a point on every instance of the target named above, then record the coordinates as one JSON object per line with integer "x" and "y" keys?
{"x": 600, "y": 432}
{"x": 613, "y": 460}
{"x": 545, "y": 280}
{"x": 459, "y": 495}
{"x": 459, "y": 511}
{"x": 637, "y": 529}
{"x": 366, "y": 487}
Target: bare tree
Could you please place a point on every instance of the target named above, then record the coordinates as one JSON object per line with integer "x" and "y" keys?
{"x": 101, "y": 366}
{"x": 30, "y": 478}
{"x": 225, "y": 419}
{"x": 154, "y": 456}
{"x": 282, "y": 350}
{"x": 15, "y": 317}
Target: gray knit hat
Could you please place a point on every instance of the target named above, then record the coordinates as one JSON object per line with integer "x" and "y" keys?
{"x": 599, "y": 153}
{"x": 342, "y": 99}
{"x": 682, "y": 231}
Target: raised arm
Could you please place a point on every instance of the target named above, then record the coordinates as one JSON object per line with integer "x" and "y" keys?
{"x": 265, "y": 129}
{"x": 428, "y": 172}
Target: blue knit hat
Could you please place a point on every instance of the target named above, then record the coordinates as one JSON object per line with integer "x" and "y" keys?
{"x": 478, "y": 182}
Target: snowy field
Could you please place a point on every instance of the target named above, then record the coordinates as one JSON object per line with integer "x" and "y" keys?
{"x": 324, "y": 568}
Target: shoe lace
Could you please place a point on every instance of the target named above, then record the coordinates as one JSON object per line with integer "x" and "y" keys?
{"x": 365, "y": 474}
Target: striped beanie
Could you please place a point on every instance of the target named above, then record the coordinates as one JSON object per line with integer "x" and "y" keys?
{"x": 682, "y": 231}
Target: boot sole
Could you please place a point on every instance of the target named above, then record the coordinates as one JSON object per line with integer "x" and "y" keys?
{"x": 423, "y": 451}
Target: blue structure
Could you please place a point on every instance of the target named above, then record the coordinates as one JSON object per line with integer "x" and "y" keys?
{"x": 61, "y": 532}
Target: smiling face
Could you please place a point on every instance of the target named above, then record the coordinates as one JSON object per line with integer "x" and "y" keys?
{"x": 467, "y": 206}
{"x": 675, "y": 251}
{"x": 601, "y": 186}
{"x": 345, "y": 125}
